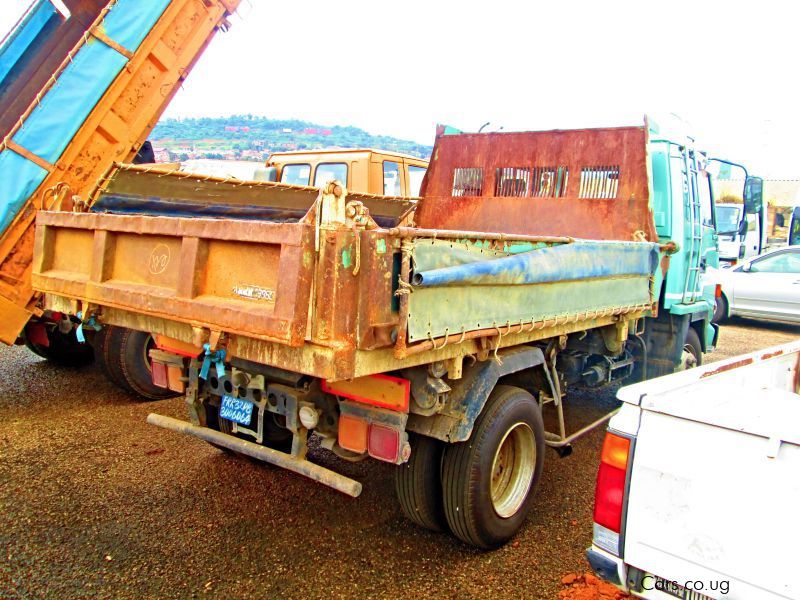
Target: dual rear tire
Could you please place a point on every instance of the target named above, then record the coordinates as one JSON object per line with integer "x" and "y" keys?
{"x": 123, "y": 357}
{"x": 481, "y": 490}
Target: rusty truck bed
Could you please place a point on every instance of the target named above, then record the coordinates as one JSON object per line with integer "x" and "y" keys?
{"x": 329, "y": 292}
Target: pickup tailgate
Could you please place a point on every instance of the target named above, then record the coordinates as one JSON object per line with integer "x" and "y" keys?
{"x": 715, "y": 481}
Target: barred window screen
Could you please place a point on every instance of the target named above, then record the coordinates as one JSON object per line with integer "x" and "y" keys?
{"x": 599, "y": 182}
{"x": 512, "y": 181}
{"x": 467, "y": 181}
{"x": 549, "y": 182}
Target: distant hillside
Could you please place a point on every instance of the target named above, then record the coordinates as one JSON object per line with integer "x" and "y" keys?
{"x": 250, "y": 137}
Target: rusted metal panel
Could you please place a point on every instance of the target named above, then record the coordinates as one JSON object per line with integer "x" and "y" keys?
{"x": 235, "y": 275}
{"x": 590, "y": 183}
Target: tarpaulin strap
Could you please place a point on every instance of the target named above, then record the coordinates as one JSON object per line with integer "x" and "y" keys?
{"x": 217, "y": 358}
{"x": 90, "y": 322}
{"x": 25, "y": 153}
{"x": 96, "y": 32}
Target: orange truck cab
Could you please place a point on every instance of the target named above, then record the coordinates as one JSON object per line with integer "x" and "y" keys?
{"x": 365, "y": 171}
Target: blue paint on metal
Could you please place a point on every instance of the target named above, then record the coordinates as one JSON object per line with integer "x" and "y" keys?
{"x": 62, "y": 111}
{"x": 579, "y": 260}
{"x": 471, "y": 392}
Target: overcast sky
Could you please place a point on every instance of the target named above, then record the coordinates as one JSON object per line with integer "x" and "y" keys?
{"x": 728, "y": 69}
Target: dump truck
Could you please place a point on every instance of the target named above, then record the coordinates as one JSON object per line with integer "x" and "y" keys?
{"x": 433, "y": 335}
{"x": 699, "y": 482}
{"x": 82, "y": 83}
{"x": 116, "y": 90}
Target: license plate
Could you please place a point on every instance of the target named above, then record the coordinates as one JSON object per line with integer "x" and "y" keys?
{"x": 678, "y": 591}
{"x": 236, "y": 410}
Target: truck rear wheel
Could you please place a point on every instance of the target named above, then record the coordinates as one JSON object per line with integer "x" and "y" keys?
{"x": 64, "y": 349}
{"x": 124, "y": 359}
{"x": 489, "y": 480}
{"x": 418, "y": 483}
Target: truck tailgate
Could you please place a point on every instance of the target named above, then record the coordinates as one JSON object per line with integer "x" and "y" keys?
{"x": 251, "y": 277}
{"x": 716, "y": 473}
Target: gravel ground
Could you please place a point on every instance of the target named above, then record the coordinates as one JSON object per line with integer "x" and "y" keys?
{"x": 95, "y": 503}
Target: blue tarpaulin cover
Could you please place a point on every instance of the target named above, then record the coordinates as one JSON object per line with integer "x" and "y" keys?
{"x": 581, "y": 260}
{"x": 23, "y": 37}
{"x": 64, "y": 108}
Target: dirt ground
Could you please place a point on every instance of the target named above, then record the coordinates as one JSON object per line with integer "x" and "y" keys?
{"x": 95, "y": 503}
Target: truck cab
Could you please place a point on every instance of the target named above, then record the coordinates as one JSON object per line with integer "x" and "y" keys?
{"x": 683, "y": 180}
{"x": 363, "y": 170}
{"x": 739, "y": 234}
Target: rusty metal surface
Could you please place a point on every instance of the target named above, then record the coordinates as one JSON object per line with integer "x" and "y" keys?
{"x": 159, "y": 190}
{"x": 596, "y": 216}
{"x": 300, "y": 466}
{"x": 326, "y": 300}
{"x": 198, "y": 271}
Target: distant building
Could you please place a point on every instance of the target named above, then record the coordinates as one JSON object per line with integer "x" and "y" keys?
{"x": 161, "y": 154}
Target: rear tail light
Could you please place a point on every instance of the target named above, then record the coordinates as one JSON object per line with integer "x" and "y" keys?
{"x": 718, "y": 291}
{"x": 160, "y": 376}
{"x": 609, "y": 499}
{"x": 353, "y": 433}
{"x": 380, "y": 441}
{"x": 167, "y": 371}
{"x": 37, "y": 334}
{"x": 384, "y": 443}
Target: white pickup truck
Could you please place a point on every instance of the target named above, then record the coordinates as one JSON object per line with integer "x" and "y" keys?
{"x": 698, "y": 492}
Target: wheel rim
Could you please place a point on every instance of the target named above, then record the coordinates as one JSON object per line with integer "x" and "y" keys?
{"x": 688, "y": 357}
{"x": 150, "y": 344}
{"x": 512, "y": 470}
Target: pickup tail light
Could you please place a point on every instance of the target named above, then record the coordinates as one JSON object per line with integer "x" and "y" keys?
{"x": 609, "y": 499}
{"x": 718, "y": 291}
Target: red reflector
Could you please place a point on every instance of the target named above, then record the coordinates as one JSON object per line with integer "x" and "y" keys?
{"x": 384, "y": 443}
{"x": 160, "y": 377}
{"x": 379, "y": 390}
{"x": 610, "y": 490}
{"x": 37, "y": 334}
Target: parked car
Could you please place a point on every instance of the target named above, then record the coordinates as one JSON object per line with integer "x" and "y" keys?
{"x": 764, "y": 287}
{"x": 699, "y": 483}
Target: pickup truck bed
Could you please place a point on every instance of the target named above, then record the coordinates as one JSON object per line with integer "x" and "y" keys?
{"x": 714, "y": 480}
